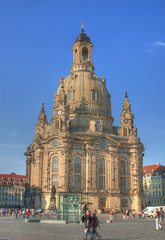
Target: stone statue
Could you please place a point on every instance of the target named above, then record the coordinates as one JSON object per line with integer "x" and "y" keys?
{"x": 53, "y": 192}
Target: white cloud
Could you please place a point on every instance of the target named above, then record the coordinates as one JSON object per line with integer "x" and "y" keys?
{"x": 158, "y": 44}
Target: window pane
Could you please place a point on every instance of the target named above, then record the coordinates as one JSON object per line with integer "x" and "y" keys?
{"x": 55, "y": 180}
{"x": 77, "y": 165}
{"x": 102, "y": 166}
{"x": 77, "y": 181}
{"x": 122, "y": 184}
{"x": 70, "y": 95}
{"x": 122, "y": 167}
{"x": 101, "y": 182}
{"x": 93, "y": 95}
{"x": 55, "y": 164}
{"x": 98, "y": 126}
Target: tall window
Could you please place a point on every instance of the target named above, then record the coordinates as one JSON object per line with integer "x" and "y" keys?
{"x": 122, "y": 176}
{"x": 71, "y": 95}
{"x": 77, "y": 165}
{"x": 55, "y": 180}
{"x": 98, "y": 126}
{"x": 57, "y": 124}
{"x": 94, "y": 95}
{"x": 55, "y": 164}
{"x": 77, "y": 175}
{"x": 122, "y": 167}
{"x": 125, "y": 132}
{"x": 84, "y": 53}
{"x": 101, "y": 173}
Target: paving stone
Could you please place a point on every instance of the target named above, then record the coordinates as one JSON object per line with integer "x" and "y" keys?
{"x": 132, "y": 229}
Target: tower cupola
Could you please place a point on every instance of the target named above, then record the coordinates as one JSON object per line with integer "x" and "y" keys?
{"x": 82, "y": 53}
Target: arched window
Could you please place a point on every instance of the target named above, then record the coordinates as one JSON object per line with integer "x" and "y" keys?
{"x": 97, "y": 126}
{"x": 55, "y": 164}
{"x": 77, "y": 175}
{"x": 75, "y": 55}
{"x": 102, "y": 173}
{"x": 57, "y": 124}
{"x": 84, "y": 53}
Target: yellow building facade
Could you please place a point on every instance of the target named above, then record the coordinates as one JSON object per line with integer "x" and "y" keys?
{"x": 88, "y": 160}
{"x": 154, "y": 184}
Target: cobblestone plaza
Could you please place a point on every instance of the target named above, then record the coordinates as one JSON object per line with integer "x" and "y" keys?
{"x": 18, "y": 229}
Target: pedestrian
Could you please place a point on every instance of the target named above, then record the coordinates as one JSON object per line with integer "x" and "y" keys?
{"x": 157, "y": 219}
{"x": 16, "y": 213}
{"x": 28, "y": 213}
{"x": 133, "y": 213}
{"x": 114, "y": 214}
{"x": 95, "y": 224}
{"x": 161, "y": 217}
{"x": 127, "y": 214}
{"x": 88, "y": 225}
{"x": 111, "y": 216}
{"x": 124, "y": 215}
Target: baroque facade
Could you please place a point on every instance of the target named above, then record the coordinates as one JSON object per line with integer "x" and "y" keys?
{"x": 154, "y": 184}
{"x": 12, "y": 189}
{"x": 80, "y": 152}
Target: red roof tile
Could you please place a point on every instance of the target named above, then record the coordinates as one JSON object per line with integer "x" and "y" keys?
{"x": 153, "y": 168}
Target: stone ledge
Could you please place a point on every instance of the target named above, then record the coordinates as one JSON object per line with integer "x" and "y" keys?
{"x": 32, "y": 220}
{"x": 46, "y": 221}
{"x": 53, "y": 221}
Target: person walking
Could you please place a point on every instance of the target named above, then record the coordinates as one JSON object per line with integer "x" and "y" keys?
{"x": 161, "y": 217}
{"x": 133, "y": 213}
{"x": 95, "y": 224}
{"x": 114, "y": 214}
{"x": 157, "y": 219}
{"x": 111, "y": 216}
{"x": 88, "y": 226}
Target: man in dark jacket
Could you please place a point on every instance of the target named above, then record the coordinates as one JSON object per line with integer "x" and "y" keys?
{"x": 95, "y": 224}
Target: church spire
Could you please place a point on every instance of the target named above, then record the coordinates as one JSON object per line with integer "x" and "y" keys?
{"x": 82, "y": 27}
{"x": 42, "y": 118}
{"x": 126, "y": 119}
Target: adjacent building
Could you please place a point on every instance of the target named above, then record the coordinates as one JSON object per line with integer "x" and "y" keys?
{"x": 88, "y": 160}
{"x": 154, "y": 184}
{"x": 12, "y": 189}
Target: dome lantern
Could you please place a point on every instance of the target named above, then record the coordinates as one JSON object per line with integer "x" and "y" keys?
{"x": 82, "y": 53}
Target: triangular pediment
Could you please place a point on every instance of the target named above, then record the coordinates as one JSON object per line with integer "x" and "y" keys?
{"x": 108, "y": 139}
{"x": 35, "y": 144}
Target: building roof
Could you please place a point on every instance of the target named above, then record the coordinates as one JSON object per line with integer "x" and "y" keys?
{"x": 82, "y": 37}
{"x": 153, "y": 168}
{"x": 12, "y": 179}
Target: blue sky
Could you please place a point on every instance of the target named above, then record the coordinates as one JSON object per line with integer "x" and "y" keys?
{"x": 36, "y": 39}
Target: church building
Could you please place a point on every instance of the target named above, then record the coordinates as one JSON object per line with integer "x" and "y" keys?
{"x": 89, "y": 161}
